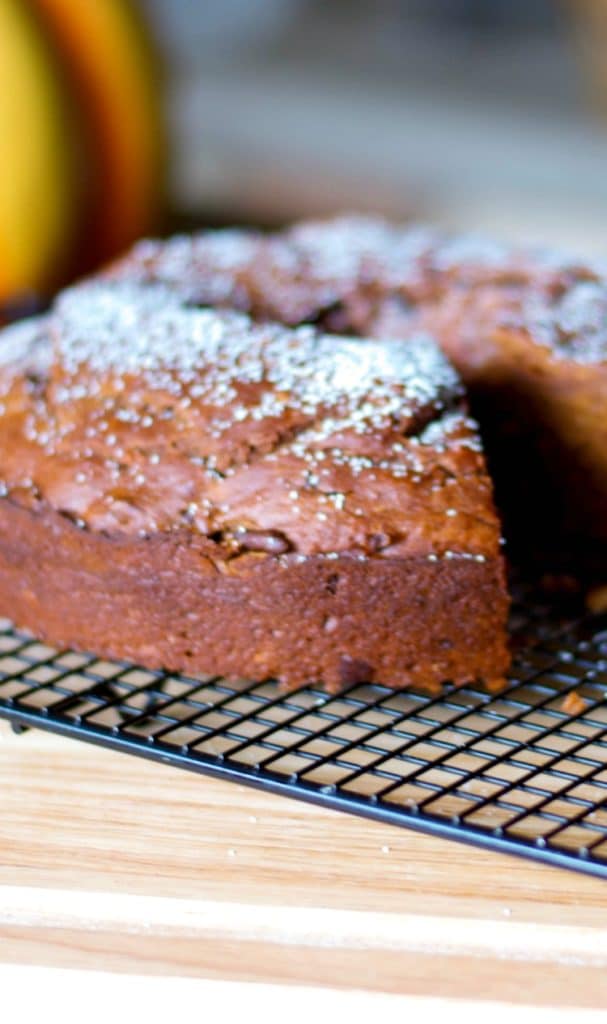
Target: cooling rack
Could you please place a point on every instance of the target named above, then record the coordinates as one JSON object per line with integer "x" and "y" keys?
{"x": 516, "y": 772}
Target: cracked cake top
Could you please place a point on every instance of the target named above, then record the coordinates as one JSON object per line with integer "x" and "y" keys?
{"x": 130, "y": 411}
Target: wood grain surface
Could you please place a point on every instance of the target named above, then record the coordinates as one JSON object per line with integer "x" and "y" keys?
{"x": 116, "y": 864}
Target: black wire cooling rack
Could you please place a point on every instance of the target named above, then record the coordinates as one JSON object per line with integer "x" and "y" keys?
{"x": 515, "y": 772}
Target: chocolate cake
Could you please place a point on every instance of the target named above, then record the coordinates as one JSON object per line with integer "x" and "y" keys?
{"x": 527, "y": 331}
{"x": 190, "y": 489}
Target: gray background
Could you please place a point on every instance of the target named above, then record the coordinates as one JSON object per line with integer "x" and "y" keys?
{"x": 475, "y": 113}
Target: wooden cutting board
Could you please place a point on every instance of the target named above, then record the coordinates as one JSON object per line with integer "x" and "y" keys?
{"x": 117, "y": 864}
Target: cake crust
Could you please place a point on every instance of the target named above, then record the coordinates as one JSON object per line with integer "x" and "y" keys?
{"x": 161, "y": 602}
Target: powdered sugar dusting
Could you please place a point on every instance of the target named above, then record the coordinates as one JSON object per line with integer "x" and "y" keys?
{"x": 204, "y": 268}
{"x": 128, "y": 328}
{"x": 476, "y": 250}
{"x": 124, "y": 328}
{"x": 574, "y": 326}
{"x": 222, "y": 250}
{"x": 361, "y": 248}
{"x": 23, "y": 348}
{"x": 436, "y": 431}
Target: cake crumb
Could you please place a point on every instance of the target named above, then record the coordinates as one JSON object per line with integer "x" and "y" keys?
{"x": 573, "y": 704}
{"x": 231, "y": 853}
{"x": 385, "y": 849}
{"x": 596, "y": 600}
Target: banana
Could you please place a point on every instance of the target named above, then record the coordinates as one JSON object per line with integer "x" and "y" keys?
{"x": 109, "y": 61}
{"x": 38, "y": 161}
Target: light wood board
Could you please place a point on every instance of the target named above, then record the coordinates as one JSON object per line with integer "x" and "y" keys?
{"x": 111, "y": 863}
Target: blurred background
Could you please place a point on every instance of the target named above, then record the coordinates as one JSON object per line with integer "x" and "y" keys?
{"x": 120, "y": 118}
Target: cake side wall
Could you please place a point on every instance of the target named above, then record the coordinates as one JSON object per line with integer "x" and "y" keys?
{"x": 163, "y": 603}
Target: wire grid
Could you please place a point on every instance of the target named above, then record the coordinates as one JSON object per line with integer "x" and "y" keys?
{"x": 512, "y": 771}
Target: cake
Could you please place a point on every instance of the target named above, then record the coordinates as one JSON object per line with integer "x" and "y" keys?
{"x": 191, "y": 489}
{"x": 526, "y": 330}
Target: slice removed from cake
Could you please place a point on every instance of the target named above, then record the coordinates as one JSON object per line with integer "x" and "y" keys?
{"x": 187, "y": 489}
